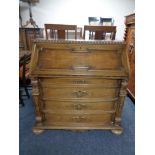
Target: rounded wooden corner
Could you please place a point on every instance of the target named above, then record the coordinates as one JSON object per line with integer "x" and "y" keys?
{"x": 117, "y": 131}
{"x": 37, "y": 131}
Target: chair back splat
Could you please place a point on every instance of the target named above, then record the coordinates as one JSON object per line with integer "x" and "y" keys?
{"x": 60, "y": 31}
{"x": 100, "y": 32}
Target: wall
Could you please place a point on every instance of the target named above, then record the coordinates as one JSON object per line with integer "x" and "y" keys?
{"x": 77, "y": 12}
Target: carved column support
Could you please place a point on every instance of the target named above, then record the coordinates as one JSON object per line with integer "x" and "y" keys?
{"x": 36, "y": 100}
{"x": 122, "y": 94}
{"x": 125, "y": 34}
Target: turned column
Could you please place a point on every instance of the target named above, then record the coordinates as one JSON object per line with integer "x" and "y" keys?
{"x": 37, "y": 101}
{"x": 122, "y": 95}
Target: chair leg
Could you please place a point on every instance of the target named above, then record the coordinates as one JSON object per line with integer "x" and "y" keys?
{"x": 20, "y": 99}
{"x": 27, "y": 93}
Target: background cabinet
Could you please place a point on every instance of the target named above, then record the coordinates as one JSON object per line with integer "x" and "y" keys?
{"x": 130, "y": 40}
{"x": 26, "y": 36}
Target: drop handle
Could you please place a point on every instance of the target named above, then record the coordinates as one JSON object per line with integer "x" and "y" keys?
{"x": 79, "y": 106}
{"x": 81, "y": 67}
{"x": 80, "y": 93}
{"x": 81, "y": 50}
{"x": 80, "y": 82}
{"x": 78, "y": 118}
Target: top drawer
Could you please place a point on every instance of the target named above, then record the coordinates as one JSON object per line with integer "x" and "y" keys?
{"x": 79, "y": 59}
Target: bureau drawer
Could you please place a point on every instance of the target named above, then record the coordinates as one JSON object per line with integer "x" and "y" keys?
{"x": 78, "y": 118}
{"x": 79, "y": 92}
{"x": 79, "y": 59}
{"x": 79, "y": 80}
{"x": 79, "y": 105}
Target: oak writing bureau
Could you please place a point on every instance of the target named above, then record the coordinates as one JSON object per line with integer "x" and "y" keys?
{"x": 78, "y": 84}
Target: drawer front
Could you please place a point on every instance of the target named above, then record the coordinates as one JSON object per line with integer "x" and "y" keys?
{"x": 80, "y": 118}
{"x": 78, "y": 105}
{"x": 79, "y": 80}
{"x": 79, "y": 92}
{"x": 79, "y": 59}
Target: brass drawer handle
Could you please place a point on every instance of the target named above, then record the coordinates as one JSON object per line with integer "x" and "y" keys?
{"x": 81, "y": 67}
{"x": 78, "y": 118}
{"x": 86, "y": 50}
{"x": 80, "y": 82}
{"x": 79, "y": 106}
{"x": 80, "y": 93}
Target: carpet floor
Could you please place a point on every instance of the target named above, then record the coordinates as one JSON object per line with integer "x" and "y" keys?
{"x": 61, "y": 142}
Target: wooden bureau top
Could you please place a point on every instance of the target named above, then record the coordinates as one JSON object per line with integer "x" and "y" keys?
{"x": 130, "y": 19}
{"x": 81, "y": 41}
{"x": 79, "y": 57}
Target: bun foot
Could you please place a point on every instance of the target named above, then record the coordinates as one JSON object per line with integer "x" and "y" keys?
{"x": 37, "y": 131}
{"x": 117, "y": 131}
{"x": 79, "y": 130}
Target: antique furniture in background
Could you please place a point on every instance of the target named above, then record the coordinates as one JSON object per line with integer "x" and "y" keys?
{"x": 31, "y": 21}
{"x": 130, "y": 40}
{"x": 60, "y": 31}
{"x": 32, "y": 1}
{"x": 93, "y": 21}
{"x": 26, "y": 36}
{"x": 78, "y": 84}
{"x": 100, "y": 32}
{"x": 106, "y": 21}
{"x": 24, "y": 80}
{"x": 79, "y": 33}
{"x": 100, "y": 21}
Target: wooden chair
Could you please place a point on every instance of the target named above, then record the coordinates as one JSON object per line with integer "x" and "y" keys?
{"x": 79, "y": 33}
{"x": 100, "y": 32}
{"x": 60, "y": 31}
